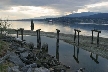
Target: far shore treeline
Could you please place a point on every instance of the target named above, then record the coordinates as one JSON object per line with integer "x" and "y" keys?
{"x": 100, "y": 18}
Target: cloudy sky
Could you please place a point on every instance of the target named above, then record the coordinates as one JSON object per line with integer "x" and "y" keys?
{"x": 18, "y": 9}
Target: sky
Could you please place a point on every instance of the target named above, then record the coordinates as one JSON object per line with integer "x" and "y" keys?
{"x": 24, "y": 9}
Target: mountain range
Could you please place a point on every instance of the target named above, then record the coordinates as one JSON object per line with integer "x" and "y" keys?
{"x": 83, "y": 14}
{"x": 79, "y": 15}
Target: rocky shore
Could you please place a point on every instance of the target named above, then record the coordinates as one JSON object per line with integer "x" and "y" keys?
{"x": 24, "y": 57}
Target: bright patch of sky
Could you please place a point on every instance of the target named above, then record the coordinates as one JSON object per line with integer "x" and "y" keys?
{"x": 34, "y": 8}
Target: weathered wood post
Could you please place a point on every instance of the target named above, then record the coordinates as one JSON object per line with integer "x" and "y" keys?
{"x": 57, "y": 45}
{"x": 78, "y": 36}
{"x": 74, "y": 35}
{"x": 22, "y": 29}
{"x": 78, "y": 31}
{"x": 32, "y": 25}
{"x": 57, "y": 52}
{"x": 38, "y": 38}
{"x": 58, "y": 33}
{"x": 92, "y": 37}
{"x": 98, "y": 38}
{"x": 17, "y": 32}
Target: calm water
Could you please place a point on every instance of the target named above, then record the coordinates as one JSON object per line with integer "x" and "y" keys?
{"x": 73, "y": 56}
{"x": 64, "y": 28}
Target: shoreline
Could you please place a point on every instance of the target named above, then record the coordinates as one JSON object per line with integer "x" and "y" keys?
{"x": 84, "y": 41}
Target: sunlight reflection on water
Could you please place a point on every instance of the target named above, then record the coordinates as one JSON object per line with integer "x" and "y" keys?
{"x": 64, "y": 28}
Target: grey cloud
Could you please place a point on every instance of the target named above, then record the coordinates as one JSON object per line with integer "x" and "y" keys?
{"x": 97, "y": 9}
{"x": 60, "y": 5}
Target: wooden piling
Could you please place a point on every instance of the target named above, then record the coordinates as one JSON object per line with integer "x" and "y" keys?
{"x": 78, "y": 31}
{"x": 57, "y": 51}
{"x": 22, "y": 29}
{"x": 32, "y": 25}
{"x": 92, "y": 37}
{"x": 97, "y": 36}
{"x": 74, "y": 35}
{"x": 17, "y": 32}
{"x": 58, "y": 33}
{"x": 57, "y": 45}
{"x": 38, "y": 38}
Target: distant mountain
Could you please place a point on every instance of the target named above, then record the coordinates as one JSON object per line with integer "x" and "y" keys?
{"x": 99, "y": 15}
{"x": 43, "y": 17}
{"x": 81, "y": 14}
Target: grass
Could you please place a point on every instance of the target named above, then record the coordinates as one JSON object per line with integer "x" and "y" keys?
{"x": 4, "y": 66}
{"x": 3, "y": 49}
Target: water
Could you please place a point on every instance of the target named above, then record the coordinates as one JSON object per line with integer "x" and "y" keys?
{"x": 72, "y": 56}
{"x": 68, "y": 54}
{"x": 64, "y": 28}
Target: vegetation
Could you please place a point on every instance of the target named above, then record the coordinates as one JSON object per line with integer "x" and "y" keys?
{"x": 4, "y": 25}
{"x": 3, "y": 48}
{"x": 4, "y": 66}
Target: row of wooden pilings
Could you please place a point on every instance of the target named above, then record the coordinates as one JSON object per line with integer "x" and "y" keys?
{"x": 94, "y": 30}
{"x": 75, "y": 36}
{"x": 39, "y": 40}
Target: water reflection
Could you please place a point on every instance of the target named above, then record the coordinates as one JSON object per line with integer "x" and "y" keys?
{"x": 57, "y": 49}
{"x": 95, "y": 59}
{"x": 64, "y": 53}
{"x": 76, "y": 53}
{"x": 64, "y": 28}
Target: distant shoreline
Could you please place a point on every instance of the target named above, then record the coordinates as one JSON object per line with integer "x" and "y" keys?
{"x": 85, "y": 41}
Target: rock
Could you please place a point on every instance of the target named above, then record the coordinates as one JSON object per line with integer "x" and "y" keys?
{"x": 45, "y": 47}
{"x": 25, "y": 68}
{"x": 21, "y": 49}
{"x": 2, "y": 60}
{"x": 16, "y": 60}
{"x": 34, "y": 65}
{"x": 14, "y": 69}
{"x": 24, "y": 54}
{"x": 25, "y": 60}
{"x": 31, "y": 45}
{"x": 41, "y": 69}
{"x": 9, "y": 69}
{"x": 81, "y": 70}
{"x": 18, "y": 39}
{"x": 30, "y": 70}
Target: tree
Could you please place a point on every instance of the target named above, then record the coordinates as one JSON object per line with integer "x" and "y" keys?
{"x": 4, "y": 25}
